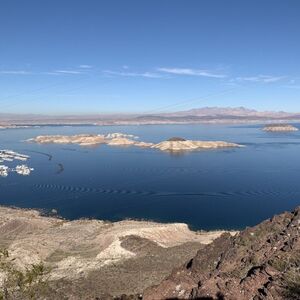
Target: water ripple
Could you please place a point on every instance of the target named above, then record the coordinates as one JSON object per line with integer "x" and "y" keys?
{"x": 96, "y": 190}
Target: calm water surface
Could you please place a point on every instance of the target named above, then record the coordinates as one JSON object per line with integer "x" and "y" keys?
{"x": 230, "y": 188}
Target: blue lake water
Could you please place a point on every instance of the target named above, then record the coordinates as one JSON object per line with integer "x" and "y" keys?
{"x": 212, "y": 189}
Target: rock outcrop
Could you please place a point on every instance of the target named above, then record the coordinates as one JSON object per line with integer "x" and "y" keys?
{"x": 117, "y": 139}
{"x": 259, "y": 263}
{"x": 189, "y": 145}
{"x": 111, "y": 139}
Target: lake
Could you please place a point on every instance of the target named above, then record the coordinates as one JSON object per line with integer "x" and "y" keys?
{"x": 212, "y": 189}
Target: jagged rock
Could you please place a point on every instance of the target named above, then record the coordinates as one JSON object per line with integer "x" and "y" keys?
{"x": 258, "y": 263}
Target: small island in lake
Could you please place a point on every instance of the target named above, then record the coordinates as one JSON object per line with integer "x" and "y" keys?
{"x": 177, "y": 144}
{"x": 112, "y": 139}
{"x": 280, "y": 128}
{"x": 119, "y": 139}
{"x": 10, "y": 156}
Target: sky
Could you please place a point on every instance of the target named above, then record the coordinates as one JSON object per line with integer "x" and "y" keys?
{"x": 108, "y": 56}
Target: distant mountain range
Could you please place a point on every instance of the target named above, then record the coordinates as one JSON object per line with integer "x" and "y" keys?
{"x": 192, "y": 116}
{"x": 229, "y": 111}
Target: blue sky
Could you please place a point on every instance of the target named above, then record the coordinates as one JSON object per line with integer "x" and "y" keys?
{"x": 93, "y": 56}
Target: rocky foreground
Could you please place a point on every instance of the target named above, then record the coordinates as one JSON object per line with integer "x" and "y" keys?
{"x": 51, "y": 258}
{"x": 119, "y": 139}
{"x": 262, "y": 262}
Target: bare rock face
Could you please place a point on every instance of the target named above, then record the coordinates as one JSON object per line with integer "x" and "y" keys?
{"x": 262, "y": 262}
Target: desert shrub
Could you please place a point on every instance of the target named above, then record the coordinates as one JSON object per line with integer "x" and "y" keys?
{"x": 176, "y": 139}
{"x": 292, "y": 284}
{"x": 19, "y": 284}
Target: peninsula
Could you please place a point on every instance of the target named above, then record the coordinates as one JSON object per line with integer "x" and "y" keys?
{"x": 119, "y": 139}
{"x": 88, "y": 258}
{"x": 280, "y": 128}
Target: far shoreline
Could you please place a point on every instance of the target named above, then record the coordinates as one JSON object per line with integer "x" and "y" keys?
{"x": 4, "y": 126}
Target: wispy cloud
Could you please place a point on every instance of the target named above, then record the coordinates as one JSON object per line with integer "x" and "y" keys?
{"x": 54, "y": 72}
{"x": 262, "y": 78}
{"x": 50, "y": 73}
{"x": 67, "y": 72}
{"x": 85, "y": 66}
{"x": 191, "y": 72}
{"x": 134, "y": 74}
{"x": 15, "y": 72}
{"x": 291, "y": 86}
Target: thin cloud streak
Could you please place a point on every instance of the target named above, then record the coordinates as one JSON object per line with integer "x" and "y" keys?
{"x": 262, "y": 78}
{"x": 15, "y": 72}
{"x": 56, "y": 72}
{"x": 296, "y": 87}
{"x": 163, "y": 73}
{"x": 85, "y": 66}
{"x": 134, "y": 74}
{"x": 67, "y": 72}
{"x": 191, "y": 72}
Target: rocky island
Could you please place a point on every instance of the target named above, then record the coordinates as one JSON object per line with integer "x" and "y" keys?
{"x": 180, "y": 144}
{"x": 280, "y": 128}
{"x": 10, "y": 156}
{"x": 87, "y": 139}
{"x": 119, "y": 139}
